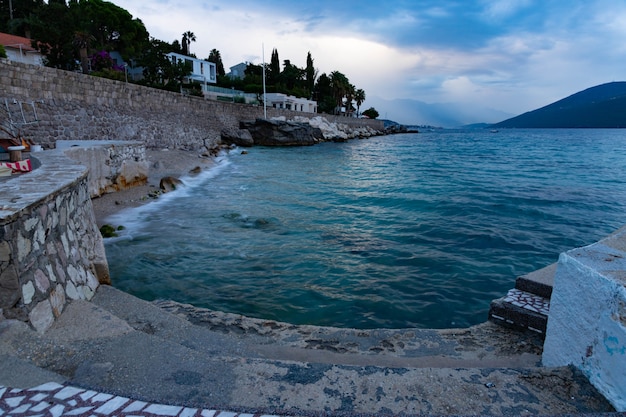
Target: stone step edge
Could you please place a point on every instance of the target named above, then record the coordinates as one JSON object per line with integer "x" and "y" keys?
{"x": 521, "y": 309}
{"x": 540, "y": 289}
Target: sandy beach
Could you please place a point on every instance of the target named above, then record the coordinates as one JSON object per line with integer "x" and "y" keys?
{"x": 163, "y": 163}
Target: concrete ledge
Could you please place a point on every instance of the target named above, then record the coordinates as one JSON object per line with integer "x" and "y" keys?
{"x": 538, "y": 282}
{"x": 113, "y": 165}
{"x": 587, "y": 319}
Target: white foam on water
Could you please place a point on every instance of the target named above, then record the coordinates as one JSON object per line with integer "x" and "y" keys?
{"x": 134, "y": 219}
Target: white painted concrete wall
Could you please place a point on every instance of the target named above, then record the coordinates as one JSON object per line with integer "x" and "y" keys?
{"x": 587, "y": 320}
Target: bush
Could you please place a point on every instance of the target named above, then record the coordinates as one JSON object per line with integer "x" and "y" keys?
{"x": 3, "y": 53}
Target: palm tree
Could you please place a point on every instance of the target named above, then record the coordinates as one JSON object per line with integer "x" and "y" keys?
{"x": 349, "y": 98}
{"x": 339, "y": 84}
{"x": 359, "y": 97}
{"x": 82, "y": 41}
{"x": 188, "y": 37}
{"x": 216, "y": 58}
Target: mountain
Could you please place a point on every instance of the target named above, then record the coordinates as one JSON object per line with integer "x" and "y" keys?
{"x": 602, "y": 106}
{"x": 416, "y": 113}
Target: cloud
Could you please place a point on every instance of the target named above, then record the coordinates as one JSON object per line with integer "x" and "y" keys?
{"x": 512, "y": 54}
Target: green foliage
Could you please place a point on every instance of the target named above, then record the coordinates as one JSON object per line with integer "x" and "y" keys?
{"x": 371, "y": 113}
{"x": 216, "y": 58}
{"x": 69, "y": 32}
{"x": 3, "y": 53}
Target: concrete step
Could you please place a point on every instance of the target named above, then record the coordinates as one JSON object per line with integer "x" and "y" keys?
{"x": 169, "y": 353}
{"x": 521, "y": 309}
{"x": 538, "y": 282}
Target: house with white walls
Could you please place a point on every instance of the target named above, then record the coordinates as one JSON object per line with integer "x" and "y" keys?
{"x": 203, "y": 71}
{"x": 283, "y": 101}
{"x": 19, "y": 49}
{"x": 238, "y": 71}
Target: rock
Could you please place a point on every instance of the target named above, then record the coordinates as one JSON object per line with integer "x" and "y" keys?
{"x": 168, "y": 184}
{"x": 282, "y": 133}
{"x": 239, "y": 137}
{"x": 195, "y": 170}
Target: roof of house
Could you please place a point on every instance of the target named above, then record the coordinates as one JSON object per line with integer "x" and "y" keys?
{"x": 13, "y": 41}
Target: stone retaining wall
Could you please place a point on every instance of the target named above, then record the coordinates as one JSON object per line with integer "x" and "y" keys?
{"x": 74, "y": 106}
{"x": 51, "y": 251}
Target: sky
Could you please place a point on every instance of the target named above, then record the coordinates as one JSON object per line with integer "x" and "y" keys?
{"x": 509, "y": 55}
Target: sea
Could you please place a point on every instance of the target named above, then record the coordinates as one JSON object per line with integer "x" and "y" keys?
{"x": 416, "y": 230}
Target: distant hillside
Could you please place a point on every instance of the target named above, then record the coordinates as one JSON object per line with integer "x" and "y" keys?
{"x": 414, "y": 112}
{"x": 603, "y": 106}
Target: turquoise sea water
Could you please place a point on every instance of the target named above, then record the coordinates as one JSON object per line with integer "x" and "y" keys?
{"x": 412, "y": 230}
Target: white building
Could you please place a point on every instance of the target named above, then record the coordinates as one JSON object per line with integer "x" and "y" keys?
{"x": 283, "y": 101}
{"x": 238, "y": 71}
{"x": 202, "y": 71}
{"x": 19, "y": 49}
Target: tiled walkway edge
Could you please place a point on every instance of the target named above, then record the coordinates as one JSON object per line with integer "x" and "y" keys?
{"x": 57, "y": 400}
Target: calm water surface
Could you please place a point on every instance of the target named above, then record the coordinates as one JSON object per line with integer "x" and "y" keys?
{"x": 413, "y": 230}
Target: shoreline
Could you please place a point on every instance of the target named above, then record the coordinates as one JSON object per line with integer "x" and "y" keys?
{"x": 162, "y": 163}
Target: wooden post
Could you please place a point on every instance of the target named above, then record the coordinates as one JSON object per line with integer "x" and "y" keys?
{"x": 15, "y": 153}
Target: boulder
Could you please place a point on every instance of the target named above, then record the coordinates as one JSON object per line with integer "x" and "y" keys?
{"x": 168, "y": 184}
{"x": 282, "y": 133}
{"x": 239, "y": 137}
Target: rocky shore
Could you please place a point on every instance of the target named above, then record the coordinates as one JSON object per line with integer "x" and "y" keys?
{"x": 163, "y": 163}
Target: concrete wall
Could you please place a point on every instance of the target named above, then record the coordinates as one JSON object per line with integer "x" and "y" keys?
{"x": 51, "y": 251}
{"x": 587, "y": 319}
{"x": 113, "y": 165}
{"x": 73, "y": 106}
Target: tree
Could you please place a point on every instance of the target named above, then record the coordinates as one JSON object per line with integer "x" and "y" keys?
{"x": 65, "y": 32}
{"x": 310, "y": 74}
{"x": 340, "y": 85}
{"x": 188, "y": 37}
{"x": 291, "y": 77}
{"x": 323, "y": 94}
{"x": 273, "y": 71}
{"x": 82, "y": 41}
{"x": 349, "y": 97}
{"x": 371, "y": 113}
{"x": 156, "y": 65}
{"x": 359, "y": 97}
{"x": 216, "y": 58}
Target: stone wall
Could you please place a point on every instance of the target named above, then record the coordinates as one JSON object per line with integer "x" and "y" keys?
{"x": 74, "y": 106}
{"x": 587, "y": 319}
{"x": 51, "y": 251}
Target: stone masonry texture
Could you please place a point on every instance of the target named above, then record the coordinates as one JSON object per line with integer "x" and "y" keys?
{"x": 73, "y": 106}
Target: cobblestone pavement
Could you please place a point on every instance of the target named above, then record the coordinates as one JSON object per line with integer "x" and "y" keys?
{"x": 57, "y": 400}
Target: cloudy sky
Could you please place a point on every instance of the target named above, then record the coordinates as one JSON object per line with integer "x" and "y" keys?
{"x": 509, "y": 55}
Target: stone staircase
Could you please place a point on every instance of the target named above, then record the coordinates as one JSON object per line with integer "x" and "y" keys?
{"x": 527, "y": 305}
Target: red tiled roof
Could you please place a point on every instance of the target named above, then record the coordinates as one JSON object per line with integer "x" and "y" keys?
{"x": 17, "y": 42}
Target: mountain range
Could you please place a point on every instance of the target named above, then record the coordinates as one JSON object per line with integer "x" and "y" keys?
{"x": 414, "y": 112}
{"x": 602, "y": 106}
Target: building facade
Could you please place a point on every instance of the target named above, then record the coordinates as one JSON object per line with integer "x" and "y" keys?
{"x": 19, "y": 49}
{"x": 283, "y": 101}
{"x": 204, "y": 72}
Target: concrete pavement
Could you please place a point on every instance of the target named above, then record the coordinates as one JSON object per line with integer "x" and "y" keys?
{"x": 165, "y": 353}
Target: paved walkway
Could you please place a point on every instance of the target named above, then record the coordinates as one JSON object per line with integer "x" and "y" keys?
{"x": 119, "y": 355}
{"x": 57, "y": 400}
